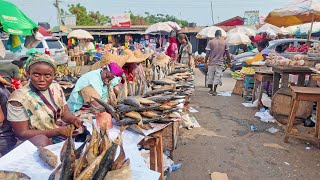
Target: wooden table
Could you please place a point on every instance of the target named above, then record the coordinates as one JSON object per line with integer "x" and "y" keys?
{"x": 156, "y": 152}
{"x": 299, "y": 94}
{"x": 283, "y": 72}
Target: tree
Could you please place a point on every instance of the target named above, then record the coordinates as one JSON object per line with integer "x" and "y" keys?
{"x": 90, "y": 18}
{"x": 149, "y": 19}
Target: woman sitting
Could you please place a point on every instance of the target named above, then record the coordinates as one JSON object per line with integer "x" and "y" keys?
{"x": 96, "y": 84}
{"x": 38, "y": 111}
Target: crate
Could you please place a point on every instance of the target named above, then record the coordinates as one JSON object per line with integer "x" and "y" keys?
{"x": 170, "y": 136}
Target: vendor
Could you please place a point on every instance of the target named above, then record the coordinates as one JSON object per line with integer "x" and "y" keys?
{"x": 95, "y": 84}
{"x": 7, "y": 138}
{"x": 38, "y": 111}
{"x": 262, "y": 55}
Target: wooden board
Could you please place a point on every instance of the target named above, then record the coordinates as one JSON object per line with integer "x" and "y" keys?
{"x": 281, "y": 105}
{"x": 238, "y": 88}
{"x": 170, "y": 136}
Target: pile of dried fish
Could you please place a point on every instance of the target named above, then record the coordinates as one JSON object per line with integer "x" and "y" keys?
{"x": 92, "y": 160}
{"x": 13, "y": 175}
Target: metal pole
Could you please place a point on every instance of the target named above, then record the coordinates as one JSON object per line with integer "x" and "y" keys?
{"x": 58, "y": 16}
{"x": 310, "y": 32}
{"x": 212, "y": 13}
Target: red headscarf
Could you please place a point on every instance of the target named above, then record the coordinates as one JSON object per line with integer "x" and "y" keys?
{"x": 173, "y": 47}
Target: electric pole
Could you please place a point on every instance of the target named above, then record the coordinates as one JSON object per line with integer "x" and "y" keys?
{"x": 58, "y": 11}
{"x": 212, "y": 14}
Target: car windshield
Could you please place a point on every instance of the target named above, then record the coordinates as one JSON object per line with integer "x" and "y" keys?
{"x": 53, "y": 44}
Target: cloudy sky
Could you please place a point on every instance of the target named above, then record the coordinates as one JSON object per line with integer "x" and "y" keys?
{"x": 198, "y": 11}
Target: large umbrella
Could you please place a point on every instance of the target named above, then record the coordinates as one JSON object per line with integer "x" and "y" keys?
{"x": 304, "y": 11}
{"x": 80, "y": 34}
{"x": 244, "y": 30}
{"x": 305, "y": 28}
{"x": 209, "y": 32}
{"x": 159, "y": 28}
{"x": 237, "y": 39}
{"x": 269, "y": 29}
{"x": 58, "y": 29}
{"x": 43, "y": 31}
{"x": 14, "y": 21}
{"x": 173, "y": 25}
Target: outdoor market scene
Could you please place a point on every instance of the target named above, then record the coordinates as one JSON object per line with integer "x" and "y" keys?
{"x": 150, "y": 90}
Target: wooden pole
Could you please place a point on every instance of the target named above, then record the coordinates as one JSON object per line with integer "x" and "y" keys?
{"x": 310, "y": 32}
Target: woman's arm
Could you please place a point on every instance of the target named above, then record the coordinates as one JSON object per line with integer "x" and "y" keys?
{"x": 1, "y": 117}
{"x": 22, "y": 131}
{"x": 68, "y": 117}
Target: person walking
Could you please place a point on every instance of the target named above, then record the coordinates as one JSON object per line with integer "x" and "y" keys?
{"x": 185, "y": 50}
{"x": 215, "y": 51}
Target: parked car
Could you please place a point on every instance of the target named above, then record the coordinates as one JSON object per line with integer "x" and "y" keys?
{"x": 279, "y": 46}
{"x": 48, "y": 45}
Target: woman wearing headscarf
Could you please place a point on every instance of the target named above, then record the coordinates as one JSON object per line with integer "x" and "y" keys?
{"x": 95, "y": 84}
{"x": 172, "y": 49}
{"x": 185, "y": 50}
{"x": 38, "y": 111}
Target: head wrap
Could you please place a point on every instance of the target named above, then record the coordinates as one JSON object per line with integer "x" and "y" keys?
{"x": 36, "y": 57}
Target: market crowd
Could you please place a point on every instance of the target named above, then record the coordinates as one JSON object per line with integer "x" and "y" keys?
{"x": 34, "y": 106}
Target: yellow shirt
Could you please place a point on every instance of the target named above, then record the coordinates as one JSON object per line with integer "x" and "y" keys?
{"x": 256, "y": 58}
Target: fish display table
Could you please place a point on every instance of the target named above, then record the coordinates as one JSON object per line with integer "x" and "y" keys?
{"x": 156, "y": 152}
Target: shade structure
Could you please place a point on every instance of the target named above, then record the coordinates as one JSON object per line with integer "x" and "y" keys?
{"x": 58, "y": 29}
{"x": 305, "y": 28}
{"x": 300, "y": 12}
{"x": 237, "y": 39}
{"x": 14, "y": 21}
{"x": 269, "y": 29}
{"x": 43, "y": 31}
{"x": 80, "y": 34}
{"x": 173, "y": 25}
{"x": 209, "y": 32}
{"x": 244, "y": 30}
{"x": 159, "y": 28}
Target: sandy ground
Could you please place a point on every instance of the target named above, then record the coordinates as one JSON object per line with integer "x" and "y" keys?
{"x": 224, "y": 143}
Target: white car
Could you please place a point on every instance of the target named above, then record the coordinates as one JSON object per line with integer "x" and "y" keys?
{"x": 48, "y": 45}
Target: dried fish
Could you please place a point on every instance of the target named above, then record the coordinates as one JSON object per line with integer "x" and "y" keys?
{"x": 48, "y": 157}
{"x": 163, "y": 82}
{"x": 149, "y": 114}
{"x": 106, "y": 163}
{"x": 108, "y": 108}
{"x": 145, "y": 101}
{"x": 11, "y": 175}
{"x": 55, "y": 175}
{"x": 126, "y": 121}
{"x": 160, "y": 99}
{"x": 164, "y": 107}
{"x": 68, "y": 165}
{"x": 158, "y": 91}
{"x": 134, "y": 115}
{"x": 79, "y": 150}
{"x": 178, "y": 71}
{"x": 132, "y": 101}
{"x": 124, "y": 108}
{"x": 94, "y": 143}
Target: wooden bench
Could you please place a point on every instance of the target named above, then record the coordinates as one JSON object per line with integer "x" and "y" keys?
{"x": 311, "y": 94}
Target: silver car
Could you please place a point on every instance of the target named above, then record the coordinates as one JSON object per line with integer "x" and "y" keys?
{"x": 279, "y": 46}
{"x": 48, "y": 45}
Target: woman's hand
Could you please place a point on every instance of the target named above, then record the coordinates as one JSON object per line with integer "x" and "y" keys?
{"x": 65, "y": 131}
{"x": 76, "y": 121}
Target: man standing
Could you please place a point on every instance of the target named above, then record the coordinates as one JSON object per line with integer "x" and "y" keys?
{"x": 216, "y": 49}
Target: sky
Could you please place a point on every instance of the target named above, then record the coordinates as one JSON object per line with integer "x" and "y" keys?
{"x": 198, "y": 11}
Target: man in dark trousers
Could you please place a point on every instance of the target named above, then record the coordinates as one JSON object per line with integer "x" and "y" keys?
{"x": 216, "y": 49}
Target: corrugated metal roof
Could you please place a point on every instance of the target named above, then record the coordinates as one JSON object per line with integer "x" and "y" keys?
{"x": 116, "y": 33}
{"x": 191, "y": 29}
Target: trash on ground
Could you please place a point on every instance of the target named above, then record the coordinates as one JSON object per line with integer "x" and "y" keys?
{"x": 218, "y": 176}
{"x": 253, "y": 128}
{"x": 286, "y": 163}
{"x": 192, "y": 110}
{"x": 266, "y": 100}
{"x": 273, "y": 130}
{"x": 265, "y": 116}
{"x": 189, "y": 121}
{"x": 273, "y": 145}
{"x": 174, "y": 167}
{"x": 249, "y": 104}
{"x": 309, "y": 123}
{"x": 308, "y": 148}
{"x": 224, "y": 93}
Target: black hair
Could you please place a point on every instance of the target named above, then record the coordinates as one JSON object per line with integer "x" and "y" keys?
{"x": 263, "y": 44}
{"x": 218, "y": 33}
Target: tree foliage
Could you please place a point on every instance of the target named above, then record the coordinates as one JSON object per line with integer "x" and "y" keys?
{"x": 152, "y": 19}
{"x": 90, "y": 18}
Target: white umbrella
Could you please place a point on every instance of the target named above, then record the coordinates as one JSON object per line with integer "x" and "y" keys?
{"x": 284, "y": 31}
{"x": 292, "y": 29}
{"x": 173, "y": 25}
{"x": 305, "y": 28}
{"x": 237, "y": 39}
{"x": 244, "y": 30}
{"x": 159, "y": 28}
{"x": 209, "y": 32}
{"x": 80, "y": 34}
{"x": 269, "y": 29}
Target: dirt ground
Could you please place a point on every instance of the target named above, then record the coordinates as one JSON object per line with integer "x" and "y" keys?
{"x": 224, "y": 143}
